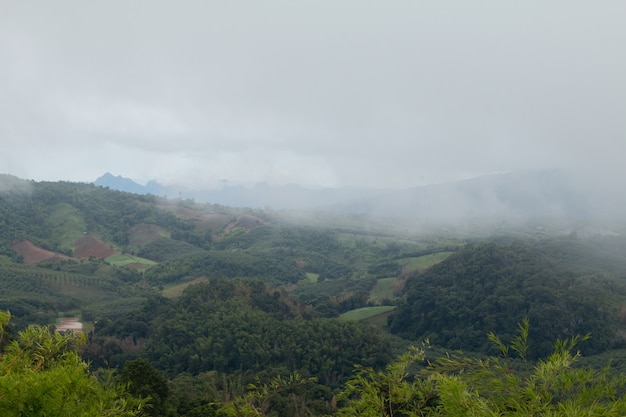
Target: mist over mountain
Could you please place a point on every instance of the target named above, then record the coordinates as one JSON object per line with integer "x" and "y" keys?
{"x": 261, "y": 195}
{"x": 519, "y": 195}
{"x": 552, "y": 198}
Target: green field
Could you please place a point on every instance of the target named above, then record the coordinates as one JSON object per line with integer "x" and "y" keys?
{"x": 67, "y": 224}
{"x": 383, "y": 290}
{"x": 365, "y": 312}
{"x": 120, "y": 259}
{"x": 424, "y": 262}
{"x": 177, "y": 290}
{"x": 312, "y": 277}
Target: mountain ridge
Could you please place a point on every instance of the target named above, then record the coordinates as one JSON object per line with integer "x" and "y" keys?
{"x": 548, "y": 196}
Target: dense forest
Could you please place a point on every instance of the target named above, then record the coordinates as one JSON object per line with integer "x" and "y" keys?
{"x": 200, "y": 310}
{"x": 490, "y": 287}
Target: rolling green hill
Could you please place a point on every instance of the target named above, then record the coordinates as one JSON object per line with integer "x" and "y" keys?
{"x": 216, "y": 297}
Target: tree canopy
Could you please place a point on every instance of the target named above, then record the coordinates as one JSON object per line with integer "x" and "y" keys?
{"x": 42, "y": 374}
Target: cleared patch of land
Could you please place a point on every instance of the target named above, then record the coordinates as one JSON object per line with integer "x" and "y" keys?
{"x": 421, "y": 263}
{"x": 177, "y": 290}
{"x": 90, "y": 245}
{"x": 366, "y": 312}
{"x": 144, "y": 233}
{"x": 69, "y": 323}
{"x": 122, "y": 259}
{"x": 67, "y": 223}
{"x": 33, "y": 254}
{"x": 312, "y": 277}
{"x": 384, "y": 289}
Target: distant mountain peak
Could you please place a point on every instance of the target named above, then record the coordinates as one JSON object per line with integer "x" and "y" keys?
{"x": 120, "y": 183}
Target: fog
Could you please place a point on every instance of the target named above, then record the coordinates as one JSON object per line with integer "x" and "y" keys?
{"x": 330, "y": 94}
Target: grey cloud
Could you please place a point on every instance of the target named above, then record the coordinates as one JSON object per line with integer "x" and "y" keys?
{"x": 341, "y": 93}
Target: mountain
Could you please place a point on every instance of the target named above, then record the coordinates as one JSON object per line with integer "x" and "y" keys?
{"x": 120, "y": 183}
{"x": 518, "y": 195}
{"x": 261, "y": 195}
{"x": 215, "y": 296}
{"x": 552, "y": 198}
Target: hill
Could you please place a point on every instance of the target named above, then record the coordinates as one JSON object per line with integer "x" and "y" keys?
{"x": 554, "y": 201}
{"x": 68, "y": 227}
{"x": 489, "y": 287}
{"x": 257, "y": 293}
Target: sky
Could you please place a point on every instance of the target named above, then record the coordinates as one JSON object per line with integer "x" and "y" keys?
{"x": 383, "y": 94}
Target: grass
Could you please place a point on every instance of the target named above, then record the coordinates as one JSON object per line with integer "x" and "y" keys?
{"x": 312, "y": 277}
{"x": 383, "y": 290}
{"x": 177, "y": 290}
{"x": 424, "y": 262}
{"x": 120, "y": 259}
{"x": 67, "y": 223}
{"x": 366, "y": 312}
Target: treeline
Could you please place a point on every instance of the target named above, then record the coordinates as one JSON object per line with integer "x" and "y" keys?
{"x": 241, "y": 330}
{"x": 41, "y": 373}
{"x": 228, "y": 264}
{"x": 24, "y": 212}
{"x": 235, "y": 325}
{"x": 36, "y": 294}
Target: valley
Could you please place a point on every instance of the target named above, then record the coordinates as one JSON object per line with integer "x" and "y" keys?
{"x": 215, "y": 298}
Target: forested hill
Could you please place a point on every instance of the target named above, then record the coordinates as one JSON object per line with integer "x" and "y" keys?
{"x": 56, "y": 214}
{"x": 78, "y": 247}
{"x": 565, "y": 287}
{"x": 206, "y": 299}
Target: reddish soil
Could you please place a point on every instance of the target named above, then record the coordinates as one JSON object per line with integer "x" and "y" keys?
{"x": 90, "y": 245}
{"x": 33, "y": 254}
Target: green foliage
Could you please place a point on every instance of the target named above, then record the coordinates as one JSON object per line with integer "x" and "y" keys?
{"x": 483, "y": 287}
{"x": 258, "y": 401}
{"x": 41, "y": 374}
{"x": 330, "y": 298}
{"x": 421, "y": 263}
{"x": 144, "y": 381}
{"x": 384, "y": 291}
{"x": 365, "y": 312}
{"x": 121, "y": 259}
{"x": 165, "y": 249}
{"x": 228, "y": 264}
{"x": 37, "y": 293}
{"x": 233, "y": 325}
{"x": 462, "y": 386}
{"x": 389, "y": 392}
{"x": 519, "y": 344}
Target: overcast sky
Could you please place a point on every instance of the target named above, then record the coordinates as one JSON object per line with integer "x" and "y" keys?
{"x": 320, "y": 93}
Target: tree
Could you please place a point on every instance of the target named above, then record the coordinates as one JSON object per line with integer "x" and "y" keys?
{"x": 257, "y": 402}
{"x": 389, "y": 392}
{"x": 42, "y": 374}
{"x": 462, "y": 386}
{"x": 145, "y": 381}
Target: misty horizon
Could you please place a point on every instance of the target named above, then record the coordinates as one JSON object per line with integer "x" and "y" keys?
{"x": 323, "y": 94}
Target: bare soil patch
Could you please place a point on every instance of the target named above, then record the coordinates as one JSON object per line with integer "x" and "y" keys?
{"x": 69, "y": 323}
{"x": 33, "y": 254}
{"x": 90, "y": 245}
